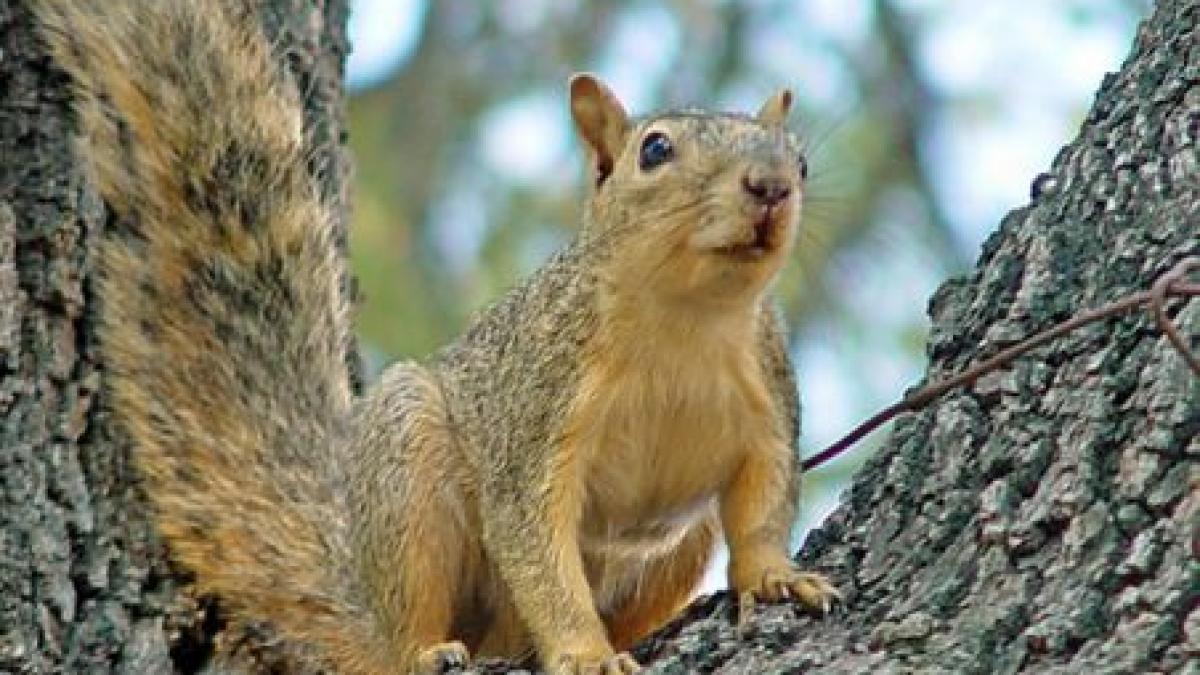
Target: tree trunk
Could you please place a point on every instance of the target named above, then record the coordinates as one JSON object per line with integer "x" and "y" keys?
{"x": 85, "y": 586}
{"x": 1048, "y": 519}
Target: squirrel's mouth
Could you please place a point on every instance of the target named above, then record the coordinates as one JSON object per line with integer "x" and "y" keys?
{"x": 744, "y": 252}
{"x": 765, "y": 228}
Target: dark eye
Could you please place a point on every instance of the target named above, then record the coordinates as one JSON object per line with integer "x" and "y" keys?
{"x": 656, "y": 150}
{"x": 803, "y": 166}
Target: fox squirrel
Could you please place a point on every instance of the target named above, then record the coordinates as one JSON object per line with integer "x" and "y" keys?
{"x": 554, "y": 481}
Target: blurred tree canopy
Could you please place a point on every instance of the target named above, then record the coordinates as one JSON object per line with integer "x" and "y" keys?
{"x": 918, "y": 113}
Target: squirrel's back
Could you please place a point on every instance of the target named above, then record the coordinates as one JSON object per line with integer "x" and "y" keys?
{"x": 225, "y": 328}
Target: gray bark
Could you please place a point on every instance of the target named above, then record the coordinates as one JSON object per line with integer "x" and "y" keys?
{"x": 1048, "y": 519}
{"x": 1044, "y": 520}
{"x": 85, "y": 586}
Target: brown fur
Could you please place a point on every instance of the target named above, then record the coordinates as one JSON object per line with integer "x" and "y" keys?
{"x": 552, "y": 482}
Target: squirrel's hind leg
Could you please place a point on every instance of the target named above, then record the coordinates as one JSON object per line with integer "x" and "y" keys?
{"x": 414, "y": 518}
{"x": 666, "y": 586}
{"x": 505, "y": 635}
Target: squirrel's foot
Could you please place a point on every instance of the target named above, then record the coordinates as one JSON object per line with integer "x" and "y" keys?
{"x": 441, "y": 658}
{"x": 783, "y": 581}
{"x": 595, "y": 664}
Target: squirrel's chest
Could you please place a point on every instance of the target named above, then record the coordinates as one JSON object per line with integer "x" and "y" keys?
{"x": 662, "y": 436}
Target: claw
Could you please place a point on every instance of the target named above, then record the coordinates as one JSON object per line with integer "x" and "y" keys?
{"x": 778, "y": 583}
{"x": 612, "y": 664}
{"x": 745, "y": 613}
{"x": 623, "y": 664}
{"x": 441, "y": 658}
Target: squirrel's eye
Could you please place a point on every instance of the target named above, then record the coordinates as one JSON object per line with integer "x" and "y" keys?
{"x": 656, "y": 150}
{"x": 803, "y": 166}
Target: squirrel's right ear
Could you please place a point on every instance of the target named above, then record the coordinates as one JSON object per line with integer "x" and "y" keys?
{"x": 600, "y": 119}
{"x": 775, "y": 111}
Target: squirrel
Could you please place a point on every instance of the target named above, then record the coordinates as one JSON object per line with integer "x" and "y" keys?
{"x": 553, "y": 482}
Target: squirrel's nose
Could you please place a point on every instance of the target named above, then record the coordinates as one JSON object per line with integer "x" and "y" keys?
{"x": 766, "y": 188}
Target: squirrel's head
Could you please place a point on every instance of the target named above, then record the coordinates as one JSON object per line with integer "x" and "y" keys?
{"x": 696, "y": 205}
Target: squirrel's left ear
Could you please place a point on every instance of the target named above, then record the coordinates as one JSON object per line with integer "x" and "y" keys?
{"x": 600, "y": 119}
{"x": 775, "y": 111}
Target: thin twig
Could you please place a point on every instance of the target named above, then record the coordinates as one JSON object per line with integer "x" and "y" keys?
{"x": 1168, "y": 282}
{"x": 1173, "y": 283}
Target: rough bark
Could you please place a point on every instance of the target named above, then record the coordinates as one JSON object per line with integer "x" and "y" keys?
{"x": 1047, "y": 520}
{"x": 84, "y": 584}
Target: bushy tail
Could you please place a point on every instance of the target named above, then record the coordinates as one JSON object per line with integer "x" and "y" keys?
{"x": 224, "y": 330}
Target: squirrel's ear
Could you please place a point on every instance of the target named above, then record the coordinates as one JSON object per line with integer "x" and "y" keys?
{"x": 600, "y": 119}
{"x": 775, "y": 111}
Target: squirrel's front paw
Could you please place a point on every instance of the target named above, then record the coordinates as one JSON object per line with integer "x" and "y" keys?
{"x": 441, "y": 657}
{"x": 780, "y": 580}
{"x": 595, "y": 664}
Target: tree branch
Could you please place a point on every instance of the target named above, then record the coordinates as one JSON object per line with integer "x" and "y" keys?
{"x": 1172, "y": 283}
